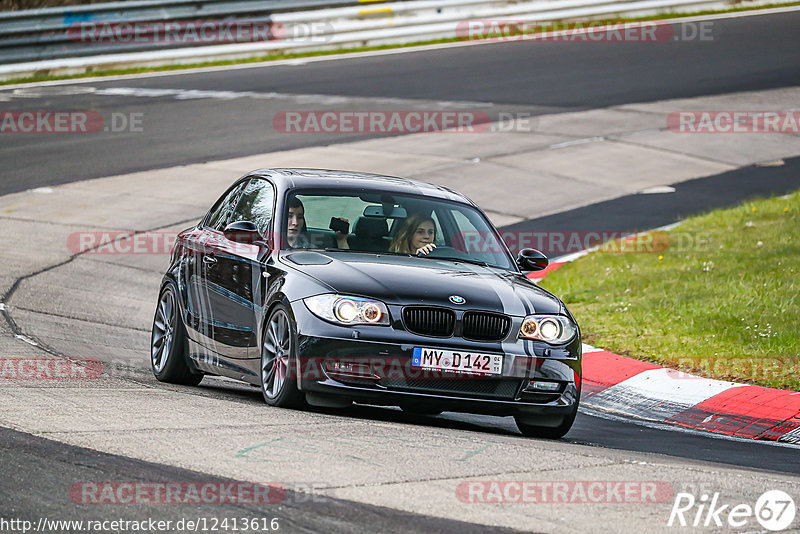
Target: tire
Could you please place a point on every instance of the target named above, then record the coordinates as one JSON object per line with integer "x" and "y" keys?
{"x": 168, "y": 341}
{"x": 278, "y": 353}
{"x": 547, "y": 432}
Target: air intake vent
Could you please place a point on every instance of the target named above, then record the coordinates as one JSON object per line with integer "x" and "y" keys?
{"x": 429, "y": 321}
{"x": 482, "y": 326}
{"x": 462, "y": 387}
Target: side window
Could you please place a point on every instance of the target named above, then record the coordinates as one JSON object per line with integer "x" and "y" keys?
{"x": 220, "y": 213}
{"x": 255, "y": 205}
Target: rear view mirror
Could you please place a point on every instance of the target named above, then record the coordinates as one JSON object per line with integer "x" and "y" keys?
{"x": 397, "y": 212}
{"x": 530, "y": 259}
{"x": 243, "y": 232}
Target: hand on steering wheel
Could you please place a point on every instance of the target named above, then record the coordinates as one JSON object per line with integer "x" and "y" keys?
{"x": 426, "y": 249}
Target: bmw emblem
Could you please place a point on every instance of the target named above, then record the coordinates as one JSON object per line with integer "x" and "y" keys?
{"x": 455, "y": 299}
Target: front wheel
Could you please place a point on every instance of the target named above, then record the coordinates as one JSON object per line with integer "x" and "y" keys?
{"x": 168, "y": 342}
{"x": 547, "y": 432}
{"x": 278, "y": 383}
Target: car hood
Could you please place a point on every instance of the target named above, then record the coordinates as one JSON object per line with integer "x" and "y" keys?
{"x": 410, "y": 280}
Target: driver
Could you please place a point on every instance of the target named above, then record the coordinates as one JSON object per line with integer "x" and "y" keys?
{"x": 416, "y": 236}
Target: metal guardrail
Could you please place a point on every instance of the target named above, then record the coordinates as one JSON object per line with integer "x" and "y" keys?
{"x": 45, "y": 33}
{"x": 340, "y": 23}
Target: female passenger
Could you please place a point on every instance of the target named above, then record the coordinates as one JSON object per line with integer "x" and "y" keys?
{"x": 416, "y": 236}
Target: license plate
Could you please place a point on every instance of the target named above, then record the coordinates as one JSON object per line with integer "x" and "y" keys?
{"x": 464, "y": 362}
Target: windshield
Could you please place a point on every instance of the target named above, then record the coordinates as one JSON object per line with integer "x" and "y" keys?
{"x": 390, "y": 223}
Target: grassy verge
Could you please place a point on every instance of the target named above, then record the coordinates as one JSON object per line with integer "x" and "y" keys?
{"x": 280, "y": 56}
{"x": 719, "y": 298}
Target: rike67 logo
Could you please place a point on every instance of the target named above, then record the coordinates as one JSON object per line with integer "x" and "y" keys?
{"x": 774, "y": 510}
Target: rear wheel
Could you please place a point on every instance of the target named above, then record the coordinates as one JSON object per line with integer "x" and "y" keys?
{"x": 168, "y": 342}
{"x": 278, "y": 383}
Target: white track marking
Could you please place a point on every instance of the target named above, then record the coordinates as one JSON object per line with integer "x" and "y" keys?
{"x": 658, "y": 394}
{"x": 26, "y": 339}
{"x": 657, "y": 190}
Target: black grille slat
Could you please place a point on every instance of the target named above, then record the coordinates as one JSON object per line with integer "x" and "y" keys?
{"x": 484, "y": 326}
{"x": 429, "y": 321}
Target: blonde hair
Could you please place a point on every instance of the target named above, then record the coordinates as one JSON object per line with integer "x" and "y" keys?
{"x": 402, "y": 241}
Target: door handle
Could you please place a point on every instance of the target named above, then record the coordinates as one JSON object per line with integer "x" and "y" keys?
{"x": 209, "y": 260}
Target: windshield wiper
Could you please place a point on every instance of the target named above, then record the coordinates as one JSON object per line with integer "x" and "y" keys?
{"x": 465, "y": 260}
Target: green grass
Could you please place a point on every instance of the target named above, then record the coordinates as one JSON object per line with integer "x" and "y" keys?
{"x": 721, "y": 300}
{"x": 279, "y": 56}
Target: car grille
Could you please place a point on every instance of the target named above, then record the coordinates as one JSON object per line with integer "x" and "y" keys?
{"x": 483, "y": 326}
{"x": 429, "y": 321}
{"x": 481, "y": 387}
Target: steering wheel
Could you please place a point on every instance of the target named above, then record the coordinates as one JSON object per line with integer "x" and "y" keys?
{"x": 445, "y": 251}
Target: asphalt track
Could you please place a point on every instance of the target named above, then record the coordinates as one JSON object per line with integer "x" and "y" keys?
{"x": 48, "y": 468}
{"x": 749, "y": 53}
{"x": 540, "y": 78}
{"x": 37, "y": 475}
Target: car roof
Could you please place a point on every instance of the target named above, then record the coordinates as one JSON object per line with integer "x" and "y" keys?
{"x": 286, "y": 178}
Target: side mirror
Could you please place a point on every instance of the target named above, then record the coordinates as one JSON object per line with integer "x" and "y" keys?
{"x": 243, "y": 232}
{"x": 530, "y": 259}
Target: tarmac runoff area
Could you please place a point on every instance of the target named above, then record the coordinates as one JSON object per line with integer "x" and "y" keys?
{"x": 100, "y": 307}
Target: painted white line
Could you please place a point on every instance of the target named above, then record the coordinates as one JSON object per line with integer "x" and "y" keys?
{"x": 588, "y": 348}
{"x": 572, "y": 257}
{"x": 39, "y": 91}
{"x": 657, "y": 190}
{"x": 26, "y": 339}
{"x": 667, "y": 227}
{"x": 578, "y": 142}
{"x": 771, "y": 163}
{"x": 42, "y": 190}
{"x": 374, "y": 53}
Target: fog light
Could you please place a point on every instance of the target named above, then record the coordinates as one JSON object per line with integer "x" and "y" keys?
{"x": 350, "y": 370}
{"x": 544, "y": 386}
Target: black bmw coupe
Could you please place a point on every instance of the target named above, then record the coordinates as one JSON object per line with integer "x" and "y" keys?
{"x": 418, "y": 304}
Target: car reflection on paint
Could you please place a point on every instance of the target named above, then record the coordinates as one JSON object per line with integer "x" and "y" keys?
{"x": 275, "y": 288}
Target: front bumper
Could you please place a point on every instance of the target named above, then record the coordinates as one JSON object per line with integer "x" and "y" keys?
{"x": 372, "y": 365}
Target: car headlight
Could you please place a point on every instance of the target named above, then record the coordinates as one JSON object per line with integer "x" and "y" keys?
{"x": 555, "y": 329}
{"x": 348, "y": 310}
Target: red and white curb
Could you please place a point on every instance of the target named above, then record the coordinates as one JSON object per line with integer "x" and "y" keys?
{"x": 634, "y": 388}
